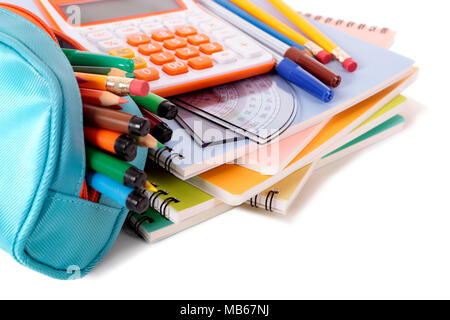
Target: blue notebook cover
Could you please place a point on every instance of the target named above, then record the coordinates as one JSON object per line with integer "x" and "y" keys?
{"x": 377, "y": 69}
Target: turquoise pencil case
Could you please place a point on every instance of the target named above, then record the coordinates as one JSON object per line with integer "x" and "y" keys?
{"x": 44, "y": 223}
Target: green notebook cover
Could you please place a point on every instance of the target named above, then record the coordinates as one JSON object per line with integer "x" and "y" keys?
{"x": 392, "y": 122}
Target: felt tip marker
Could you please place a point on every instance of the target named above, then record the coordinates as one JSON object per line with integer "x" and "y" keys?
{"x": 299, "y": 56}
{"x": 158, "y": 129}
{"x": 84, "y": 58}
{"x": 114, "y": 120}
{"x": 132, "y": 199}
{"x": 157, "y": 105}
{"x": 120, "y": 144}
{"x": 114, "y": 168}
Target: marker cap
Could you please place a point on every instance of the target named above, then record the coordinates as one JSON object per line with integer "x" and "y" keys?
{"x": 139, "y": 126}
{"x": 295, "y": 74}
{"x": 137, "y": 202}
{"x": 168, "y": 110}
{"x": 126, "y": 147}
{"x": 134, "y": 177}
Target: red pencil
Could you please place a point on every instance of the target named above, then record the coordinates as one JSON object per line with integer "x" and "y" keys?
{"x": 101, "y": 98}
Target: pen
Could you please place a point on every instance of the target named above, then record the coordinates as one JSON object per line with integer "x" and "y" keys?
{"x": 321, "y": 72}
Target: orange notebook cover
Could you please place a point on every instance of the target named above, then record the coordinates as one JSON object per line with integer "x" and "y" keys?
{"x": 234, "y": 184}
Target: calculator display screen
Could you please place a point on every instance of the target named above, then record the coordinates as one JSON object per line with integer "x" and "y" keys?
{"x": 100, "y": 10}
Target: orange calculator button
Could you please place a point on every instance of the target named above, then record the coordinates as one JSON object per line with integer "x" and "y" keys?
{"x": 137, "y": 39}
{"x": 175, "y": 68}
{"x": 162, "y": 58}
{"x": 198, "y": 39}
{"x": 199, "y": 63}
{"x": 123, "y": 52}
{"x": 147, "y": 74}
{"x": 173, "y": 44}
{"x": 210, "y": 48}
{"x": 185, "y": 31}
{"x": 187, "y": 53}
{"x": 139, "y": 63}
{"x": 161, "y": 35}
{"x": 149, "y": 48}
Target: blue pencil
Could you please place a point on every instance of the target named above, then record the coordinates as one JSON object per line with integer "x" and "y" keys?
{"x": 257, "y": 23}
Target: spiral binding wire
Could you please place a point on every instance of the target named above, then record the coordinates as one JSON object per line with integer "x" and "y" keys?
{"x": 137, "y": 225}
{"x": 165, "y": 204}
{"x": 268, "y": 203}
{"x": 155, "y": 196}
{"x": 169, "y": 160}
{"x": 270, "y": 195}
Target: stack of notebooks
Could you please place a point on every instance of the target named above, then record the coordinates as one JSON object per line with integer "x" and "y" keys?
{"x": 201, "y": 178}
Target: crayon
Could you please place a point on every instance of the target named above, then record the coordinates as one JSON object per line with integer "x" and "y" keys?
{"x": 116, "y": 143}
{"x": 132, "y": 199}
{"x": 159, "y": 129}
{"x": 83, "y": 58}
{"x": 157, "y": 105}
{"x": 114, "y": 168}
{"x": 115, "y": 120}
{"x": 106, "y": 71}
{"x": 150, "y": 142}
{"x": 117, "y": 85}
{"x": 100, "y": 97}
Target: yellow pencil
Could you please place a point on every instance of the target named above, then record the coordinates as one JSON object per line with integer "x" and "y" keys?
{"x": 316, "y": 35}
{"x": 321, "y": 55}
{"x": 150, "y": 187}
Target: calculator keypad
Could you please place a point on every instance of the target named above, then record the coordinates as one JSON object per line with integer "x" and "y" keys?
{"x": 176, "y": 44}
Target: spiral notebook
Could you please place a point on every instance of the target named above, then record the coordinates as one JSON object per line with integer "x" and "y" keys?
{"x": 234, "y": 184}
{"x": 280, "y": 196}
{"x": 176, "y": 200}
{"x": 379, "y": 68}
{"x": 152, "y": 227}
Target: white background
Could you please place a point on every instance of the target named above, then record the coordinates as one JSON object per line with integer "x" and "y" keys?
{"x": 375, "y": 225}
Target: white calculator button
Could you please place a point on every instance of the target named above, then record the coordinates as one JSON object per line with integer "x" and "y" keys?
{"x": 224, "y": 34}
{"x": 210, "y": 26}
{"x": 198, "y": 19}
{"x": 127, "y": 31}
{"x": 173, "y": 23}
{"x": 246, "y": 48}
{"x": 108, "y": 45}
{"x": 147, "y": 20}
{"x": 150, "y": 27}
{"x": 85, "y": 30}
{"x": 99, "y": 36}
{"x": 224, "y": 57}
{"x": 117, "y": 25}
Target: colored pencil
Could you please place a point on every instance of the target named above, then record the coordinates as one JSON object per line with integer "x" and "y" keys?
{"x": 268, "y": 19}
{"x": 117, "y": 85}
{"x": 101, "y": 98}
{"x": 106, "y": 71}
{"x": 315, "y": 34}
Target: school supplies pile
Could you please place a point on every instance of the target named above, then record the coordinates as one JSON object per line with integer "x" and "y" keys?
{"x": 233, "y": 133}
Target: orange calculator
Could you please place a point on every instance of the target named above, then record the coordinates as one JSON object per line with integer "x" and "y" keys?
{"x": 176, "y": 45}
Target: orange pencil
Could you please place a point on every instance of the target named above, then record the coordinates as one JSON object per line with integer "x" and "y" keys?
{"x": 101, "y": 98}
{"x": 117, "y": 85}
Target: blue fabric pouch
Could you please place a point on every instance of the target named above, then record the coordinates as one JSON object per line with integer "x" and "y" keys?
{"x": 44, "y": 224}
